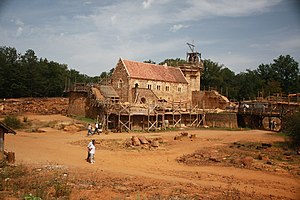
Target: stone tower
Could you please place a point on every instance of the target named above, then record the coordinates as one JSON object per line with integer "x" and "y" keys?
{"x": 192, "y": 70}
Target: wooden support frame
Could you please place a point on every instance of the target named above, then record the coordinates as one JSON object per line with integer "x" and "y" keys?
{"x": 201, "y": 120}
{"x": 155, "y": 123}
{"x": 195, "y": 121}
{"x": 125, "y": 124}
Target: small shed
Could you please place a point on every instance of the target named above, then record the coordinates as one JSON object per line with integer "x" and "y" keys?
{"x": 3, "y": 129}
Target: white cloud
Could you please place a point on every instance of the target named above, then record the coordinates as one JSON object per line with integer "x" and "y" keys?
{"x": 177, "y": 27}
{"x": 230, "y": 8}
{"x": 18, "y": 22}
{"x": 19, "y": 31}
{"x": 147, "y": 3}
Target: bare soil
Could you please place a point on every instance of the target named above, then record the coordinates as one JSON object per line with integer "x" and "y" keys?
{"x": 214, "y": 164}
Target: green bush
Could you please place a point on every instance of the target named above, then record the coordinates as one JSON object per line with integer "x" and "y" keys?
{"x": 12, "y": 122}
{"x": 291, "y": 127}
{"x": 62, "y": 189}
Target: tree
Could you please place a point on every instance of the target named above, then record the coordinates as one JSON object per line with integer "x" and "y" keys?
{"x": 291, "y": 126}
{"x": 10, "y": 73}
{"x": 247, "y": 85}
{"x": 173, "y": 62}
{"x": 286, "y": 71}
{"x": 149, "y": 61}
{"x": 219, "y": 78}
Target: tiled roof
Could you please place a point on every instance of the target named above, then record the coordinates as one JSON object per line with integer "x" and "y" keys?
{"x": 154, "y": 72}
{"x": 108, "y": 91}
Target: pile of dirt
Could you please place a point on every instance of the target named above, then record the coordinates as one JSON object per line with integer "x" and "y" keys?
{"x": 34, "y": 105}
{"x": 254, "y": 156}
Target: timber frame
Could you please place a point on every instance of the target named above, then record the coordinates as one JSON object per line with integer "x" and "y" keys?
{"x": 150, "y": 117}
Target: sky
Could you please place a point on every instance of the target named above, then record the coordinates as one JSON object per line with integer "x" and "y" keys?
{"x": 91, "y": 35}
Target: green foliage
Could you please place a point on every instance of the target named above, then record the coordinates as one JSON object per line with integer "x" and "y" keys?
{"x": 27, "y": 76}
{"x": 291, "y": 127}
{"x": 62, "y": 189}
{"x": 12, "y": 122}
{"x": 31, "y": 197}
{"x": 282, "y": 76}
{"x": 149, "y": 61}
{"x": 173, "y": 62}
{"x": 84, "y": 119}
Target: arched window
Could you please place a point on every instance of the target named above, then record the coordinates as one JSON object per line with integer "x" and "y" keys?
{"x": 120, "y": 83}
{"x": 143, "y": 100}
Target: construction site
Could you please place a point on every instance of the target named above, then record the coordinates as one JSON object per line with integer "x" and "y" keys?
{"x": 143, "y": 96}
{"x": 147, "y": 97}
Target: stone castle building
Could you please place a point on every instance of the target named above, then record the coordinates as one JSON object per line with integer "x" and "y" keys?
{"x": 138, "y": 82}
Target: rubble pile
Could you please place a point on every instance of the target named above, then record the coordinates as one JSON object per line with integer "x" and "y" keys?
{"x": 183, "y": 135}
{"x": 143, "y": 142}
{"x": 34, "y": 105}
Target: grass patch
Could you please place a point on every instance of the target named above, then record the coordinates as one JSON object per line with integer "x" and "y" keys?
{"x": 84, "y": 119}
{"x": 13, "y": 122}
{"x": 24, "y": 183}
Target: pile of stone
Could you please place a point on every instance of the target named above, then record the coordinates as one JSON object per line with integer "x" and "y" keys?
{"x": 142, "y": 141}
{"x": 183, "y": 135}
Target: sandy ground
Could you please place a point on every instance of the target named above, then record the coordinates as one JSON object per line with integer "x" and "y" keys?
{"x": 58, "y": 147}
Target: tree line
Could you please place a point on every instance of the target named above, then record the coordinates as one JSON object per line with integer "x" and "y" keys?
{"x": 28, "y": 76}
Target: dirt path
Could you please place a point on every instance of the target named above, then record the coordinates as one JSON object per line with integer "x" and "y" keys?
{"x": 59, "y": 148}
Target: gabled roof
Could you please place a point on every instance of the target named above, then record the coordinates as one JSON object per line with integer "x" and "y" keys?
{"x": 6, "y": 128}
{"x": 154, "y": 72}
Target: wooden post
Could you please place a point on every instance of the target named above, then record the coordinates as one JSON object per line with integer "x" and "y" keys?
{"x": 11, "y": 157}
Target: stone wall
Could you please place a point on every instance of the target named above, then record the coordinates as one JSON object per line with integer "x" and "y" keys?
{"x": 120, "y": 82}
{"x": 144, "y": 96}
{"x": 223, "y": 120}
{"x": 77, "y": 103}
{"x": 209, "y": 100}
{"x": 164, "y": 90}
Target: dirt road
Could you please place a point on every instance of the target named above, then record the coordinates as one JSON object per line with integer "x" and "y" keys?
{"x": 155, "y": 169}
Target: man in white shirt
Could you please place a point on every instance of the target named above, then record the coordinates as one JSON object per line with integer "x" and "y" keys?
{"x": 91, "y": 152}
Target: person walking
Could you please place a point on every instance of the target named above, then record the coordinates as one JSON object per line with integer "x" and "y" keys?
{"x": 91, "y": 152}
{"x": 96, "y": 128}
{"x": 90, "y": 131}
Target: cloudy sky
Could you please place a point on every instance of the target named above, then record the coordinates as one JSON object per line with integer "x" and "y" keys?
{"x": 91, "y": 35}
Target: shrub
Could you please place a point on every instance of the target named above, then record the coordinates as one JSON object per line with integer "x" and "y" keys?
{"x": 62, "y": 189}
{"x": 12, "y": 122}
{"x": 292, "y": 128}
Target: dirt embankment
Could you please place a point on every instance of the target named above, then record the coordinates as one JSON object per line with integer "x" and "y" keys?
{"x": 43, "y": 106}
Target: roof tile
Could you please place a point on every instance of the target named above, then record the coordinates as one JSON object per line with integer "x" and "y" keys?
{"x": 154, "y": 72}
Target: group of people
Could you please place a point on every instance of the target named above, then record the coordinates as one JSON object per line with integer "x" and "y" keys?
{"x": 91, "y": 146}
{"x": 92, "y": 131}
